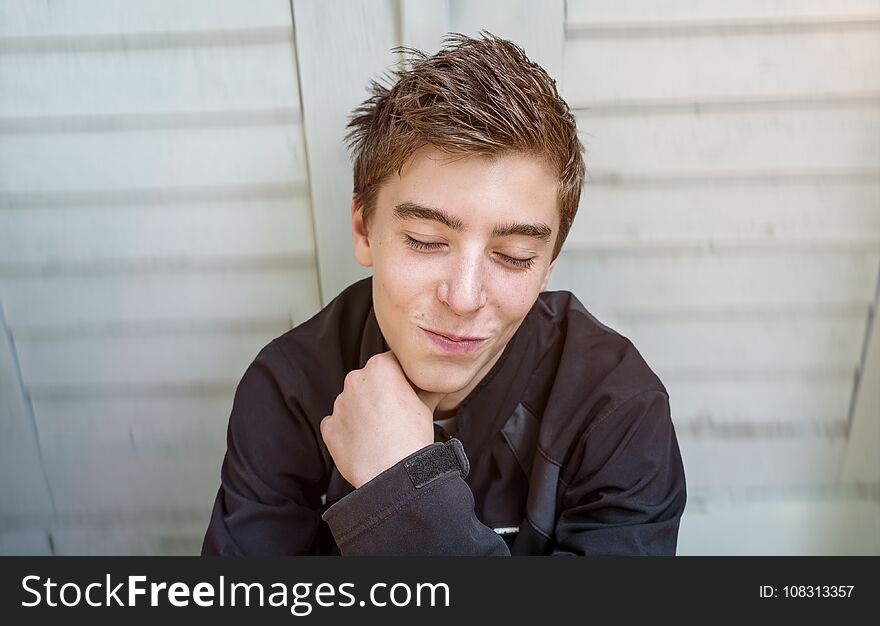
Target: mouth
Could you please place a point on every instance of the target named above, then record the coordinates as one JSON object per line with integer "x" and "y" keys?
{"x": 454, "y": 344}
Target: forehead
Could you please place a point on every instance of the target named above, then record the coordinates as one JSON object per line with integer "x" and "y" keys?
{"x": 476, "y": 189}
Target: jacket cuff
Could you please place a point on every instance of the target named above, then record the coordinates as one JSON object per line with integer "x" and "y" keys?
{"x": 394, "y": 489}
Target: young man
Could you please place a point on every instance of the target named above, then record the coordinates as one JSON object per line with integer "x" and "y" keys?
{"x": 448, "y": 405}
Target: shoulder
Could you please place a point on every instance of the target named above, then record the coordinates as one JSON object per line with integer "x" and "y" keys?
{"x": 599, "y": 373}
{"x": 328, "y": 345}
{"x": 591, "y": 351}
{"x": 306, "y": 365}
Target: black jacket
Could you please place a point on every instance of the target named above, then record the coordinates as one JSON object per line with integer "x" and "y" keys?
{"x": 565, "y": 447}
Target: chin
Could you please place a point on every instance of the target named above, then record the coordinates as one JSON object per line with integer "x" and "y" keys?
{"x": 438, "y": 378}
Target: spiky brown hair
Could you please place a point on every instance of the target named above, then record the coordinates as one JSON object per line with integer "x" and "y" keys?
{"x": 476, "y": 96}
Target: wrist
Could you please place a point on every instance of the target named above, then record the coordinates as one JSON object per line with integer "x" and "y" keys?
{"x": 388, "y": 459}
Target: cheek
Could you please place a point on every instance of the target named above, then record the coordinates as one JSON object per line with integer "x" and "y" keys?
{"x": 515, "y": 293}
{"x": 400, "y": 287}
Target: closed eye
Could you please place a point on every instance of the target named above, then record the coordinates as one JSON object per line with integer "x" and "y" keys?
{"x": 422, "y": 245}
{"x": 520, "y": 263}
{"x": 429, "y": 246}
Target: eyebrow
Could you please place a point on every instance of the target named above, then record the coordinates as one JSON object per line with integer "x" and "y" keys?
{"x": 539, "y": 231}
{"x": 411, "y": 210}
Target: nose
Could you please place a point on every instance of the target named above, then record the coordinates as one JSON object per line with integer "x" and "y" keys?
{"x": 464, "y": 289}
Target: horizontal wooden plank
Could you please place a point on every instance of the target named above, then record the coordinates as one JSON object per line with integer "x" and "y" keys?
{"x": 174, "y": 358}
{"x": 862, "y": 463}
{"x": 189, "y": 295}
{"x": 218, "y": 78}
{"x": 186, "y": 158}
{"x": 151, "y": 265}
{"x": 155, "y": 40}
{"x": 783, "y": 525}
{"x": 120, "y": 479}
{"x": 726, "y": 402}
{"x": 763, "y": 343}
{"x": 23, "y": 486}
{"x": 765, "y": 212}
{"x": 739, "y": 463}
{"x": 193, "y": 194}
{"x": 213, "y": 230}
{"x": 16, "y": 419}
{"x": 23, "y": 18}
{"x": 733, "y": 179}
{"x": 157, "y": 420}
{"x": 755, "y": 65}
{"x": 860, "y": 245}
{"x": 751, "y": 26}
{"x": 818, "y": 140}
{"x": 136, "y": 539}
{"x": 677, "y": 10}
{"x": 716, "y": 280}
{"x": 33, "y": 542}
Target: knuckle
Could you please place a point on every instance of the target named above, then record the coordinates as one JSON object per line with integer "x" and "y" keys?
{"x": 379, "y": 361}
{"x": 349, "y": 379}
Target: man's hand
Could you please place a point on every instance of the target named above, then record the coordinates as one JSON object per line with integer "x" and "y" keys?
{"x": 378, "y": 419}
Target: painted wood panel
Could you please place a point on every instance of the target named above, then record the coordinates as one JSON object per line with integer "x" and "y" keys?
{"x": 166, "y": 83}
{"x": 23, "y": 485}
{"x": 820, "y": 210}
{"x": 763, "y": 343}
{"x": 722, "y": 404}
{"x": 142, "y": 231}
{"x": 755, "y": 462}
{"x": 535, "y": 27}
{"x": 131, "y": 539}
{"x": 156, "y": 479}
{"x": 664, "y": 11}
{"x": 25, "y": 543}
{"x": 150, "y": 159}
{"x": 815, "y": 141}
{"x": 423, "y": 23}
{"x": 358, "y": 37}
{"x": 862, "y": 461}
{"x": 800, "y": 66}
{"x": 167, "y": 419}
{"x": 145, "y": 359}
{"x": 24, "y": 18}
{"x": 796, "y": 523}
{"x": 675, "y": 278}
{"x": 182, "y": 292}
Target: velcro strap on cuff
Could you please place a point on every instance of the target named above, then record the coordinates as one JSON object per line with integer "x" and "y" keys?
{"x": 435, "y": 461}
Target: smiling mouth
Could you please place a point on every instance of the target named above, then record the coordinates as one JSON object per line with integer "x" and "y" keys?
{"x": 455, "y": 344}
{"x": 455, "y": 338}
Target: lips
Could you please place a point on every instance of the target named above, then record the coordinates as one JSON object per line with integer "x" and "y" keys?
{"x": 452, "y": 343}
{"x": 454, "y": 337}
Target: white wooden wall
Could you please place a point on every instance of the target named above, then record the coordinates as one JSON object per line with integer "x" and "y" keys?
{"x": 731, "y": 229}
{"x": 170, "y": 172}
{"x": 155, "y": 233}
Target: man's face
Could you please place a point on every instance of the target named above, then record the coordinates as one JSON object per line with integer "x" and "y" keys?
{"x": 460, "y": 250}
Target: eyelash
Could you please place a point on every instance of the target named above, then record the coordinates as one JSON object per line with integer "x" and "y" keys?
{"x": 428, "y": 246}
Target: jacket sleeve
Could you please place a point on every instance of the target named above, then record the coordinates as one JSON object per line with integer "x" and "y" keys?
{"x": 626, "y": 493}
{"x": 419, "y": 506}
{"x": 270, "y": 482}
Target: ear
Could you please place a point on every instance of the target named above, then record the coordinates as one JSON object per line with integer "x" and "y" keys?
{"x": 547, "y": 276}
{"x": 363, "y": 253}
